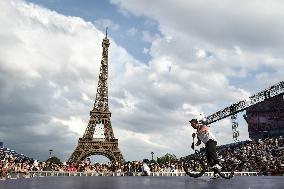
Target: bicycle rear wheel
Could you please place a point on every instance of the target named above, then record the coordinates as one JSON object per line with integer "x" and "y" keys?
{"x": 228, "y": 169}
{"x": 194, "y": 167}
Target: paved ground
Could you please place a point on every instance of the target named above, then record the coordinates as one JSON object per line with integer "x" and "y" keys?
{"x": 267, "y": 182}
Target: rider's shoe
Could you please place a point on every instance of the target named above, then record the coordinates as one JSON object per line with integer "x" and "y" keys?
{"x": 216, "y": 166}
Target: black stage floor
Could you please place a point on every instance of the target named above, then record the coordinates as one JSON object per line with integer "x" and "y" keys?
{"x": 245, "y": 182}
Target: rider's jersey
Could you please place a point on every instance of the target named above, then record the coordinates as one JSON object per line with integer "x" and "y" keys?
{"x": 204, "y": 136}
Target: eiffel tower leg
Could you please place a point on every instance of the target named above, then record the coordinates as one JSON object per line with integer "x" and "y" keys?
{"x": 109, "y": 132}
{"x": 118, "y": 156}
{"x": 75, "y": 157}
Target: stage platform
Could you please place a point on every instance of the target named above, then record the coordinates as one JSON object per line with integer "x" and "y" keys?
{"x": 238, "y": 182}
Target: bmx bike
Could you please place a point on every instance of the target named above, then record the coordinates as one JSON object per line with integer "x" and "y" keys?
{"x": 194, "y": 166}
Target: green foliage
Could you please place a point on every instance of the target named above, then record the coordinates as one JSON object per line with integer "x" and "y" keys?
{"x": 54, "y": 160}
{"x": 167, "y": 158}
{"x": 146, "y": 160}
{"x": 152, "y": 161}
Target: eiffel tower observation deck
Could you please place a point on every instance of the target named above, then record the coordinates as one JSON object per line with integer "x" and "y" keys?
{"x": 100, "y": 114}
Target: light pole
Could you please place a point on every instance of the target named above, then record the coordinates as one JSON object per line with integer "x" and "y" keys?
{"x": 50, "y": 153}
{"x": 152, "y": 153}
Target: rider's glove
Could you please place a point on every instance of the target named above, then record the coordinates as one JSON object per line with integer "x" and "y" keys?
{"x": 198, "y": 143}
{"x": 193, "y": 135}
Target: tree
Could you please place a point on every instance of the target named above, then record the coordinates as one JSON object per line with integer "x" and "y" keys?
{"x": 167, "y": 158}
{"x": 54, "y": 160}
{"x": 146, "y": 160}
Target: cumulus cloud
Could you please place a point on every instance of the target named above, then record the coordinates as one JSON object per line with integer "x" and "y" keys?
{"x": 235, "y": 39}
{"x": 210, "y": 57}
{"x": 49, "y": 66}
{"x": 252, "y": 23}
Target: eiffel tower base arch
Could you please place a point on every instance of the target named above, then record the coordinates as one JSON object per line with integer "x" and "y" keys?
{"x": 109, "y": 149}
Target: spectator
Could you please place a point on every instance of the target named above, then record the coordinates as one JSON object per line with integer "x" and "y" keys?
{"x": 146, "y": 170}
{"x": 71, "y": 167}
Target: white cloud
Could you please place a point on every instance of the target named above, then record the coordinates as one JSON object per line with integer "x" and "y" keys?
{"x": 44, "y": 54}
{"x": 200, "y": 53}
{"x": 74, "y": 124}
{"x": 86, "y": 97}
{"x": 47, "y": 61}
{"x": 210, "y": 50}
{"x": 253, "y": 24}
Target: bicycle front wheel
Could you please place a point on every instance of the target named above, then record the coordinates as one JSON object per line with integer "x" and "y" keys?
{"x": 194, "y": 167}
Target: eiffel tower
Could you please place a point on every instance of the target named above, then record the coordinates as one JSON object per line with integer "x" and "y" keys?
{"x": 107, "y": 146}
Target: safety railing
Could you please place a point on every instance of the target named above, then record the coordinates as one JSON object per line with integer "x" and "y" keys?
{"x": 205, "y": 174}
{"x": 13, "y": 175}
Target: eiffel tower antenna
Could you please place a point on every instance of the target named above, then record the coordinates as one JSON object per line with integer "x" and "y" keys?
{"x": 100, "y": 114}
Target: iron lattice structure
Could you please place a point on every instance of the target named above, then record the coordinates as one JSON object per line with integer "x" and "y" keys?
{"x": 100, "y": 114}
{"x": 240, "y": 106}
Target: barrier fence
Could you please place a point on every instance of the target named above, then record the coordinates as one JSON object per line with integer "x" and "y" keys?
{"x": 31, "y": 174}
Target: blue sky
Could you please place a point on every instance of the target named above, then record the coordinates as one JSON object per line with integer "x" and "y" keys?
{"x": 169, "y": 62}
{"x": 94, "y": 11}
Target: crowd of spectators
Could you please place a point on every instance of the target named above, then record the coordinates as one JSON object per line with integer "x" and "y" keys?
{"x": 263, "y": 156}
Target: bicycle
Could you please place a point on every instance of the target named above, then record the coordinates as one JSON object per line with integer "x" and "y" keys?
{"x": 195, "y": 167}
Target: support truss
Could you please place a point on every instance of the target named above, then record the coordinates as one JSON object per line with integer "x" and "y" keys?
{"x": 242, "y": 105}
